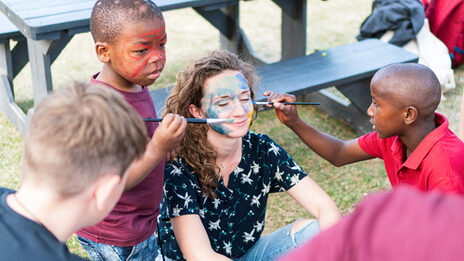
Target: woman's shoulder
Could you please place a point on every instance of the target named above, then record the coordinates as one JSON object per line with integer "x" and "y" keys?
{"x": 256, "y": 137}
{"x": 178, "y": 168}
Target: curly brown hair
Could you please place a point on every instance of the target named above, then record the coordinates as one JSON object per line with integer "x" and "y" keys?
{"x": 194, "y": 148}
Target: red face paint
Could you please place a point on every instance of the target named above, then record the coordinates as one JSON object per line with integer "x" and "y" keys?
{"x": 144, "y": 55}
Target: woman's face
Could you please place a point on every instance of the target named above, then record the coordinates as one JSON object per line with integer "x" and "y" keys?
{"x": 227, "y": 96}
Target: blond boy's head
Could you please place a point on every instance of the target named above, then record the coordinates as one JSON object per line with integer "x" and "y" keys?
{"x": 79, "y": 133}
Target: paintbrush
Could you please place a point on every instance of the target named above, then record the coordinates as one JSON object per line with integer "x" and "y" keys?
{"x": 288, "y": 103}
{"x": 195, "y": 120}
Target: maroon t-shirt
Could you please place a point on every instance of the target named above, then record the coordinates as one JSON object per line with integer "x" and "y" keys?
{"x": 436, "y": 163}
{"x": 404, "y": 224}
{"x": 133, "y": 219}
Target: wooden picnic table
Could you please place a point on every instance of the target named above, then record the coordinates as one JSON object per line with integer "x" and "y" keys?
{"x": 43, "y": 28}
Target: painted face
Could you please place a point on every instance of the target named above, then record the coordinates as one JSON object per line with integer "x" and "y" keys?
{"x": 386, "y": 119}
{"x": 227, "y": 96}
{"x": 140, "y": 53}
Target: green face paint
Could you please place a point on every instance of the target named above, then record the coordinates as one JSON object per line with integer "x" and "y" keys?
{"x": 227, "y": 96}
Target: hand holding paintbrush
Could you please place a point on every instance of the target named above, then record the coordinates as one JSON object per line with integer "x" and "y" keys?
{"x": 194, "y": 120}
{"x": 288, "y": 115}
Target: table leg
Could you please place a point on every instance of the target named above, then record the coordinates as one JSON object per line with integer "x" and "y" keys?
{"x": 293, "y": 28}
{"x": 42, "y": 53}
{"x": 230, "y": 40}
{"x": 7, "y": 100}
{"x": 40, "y": 60}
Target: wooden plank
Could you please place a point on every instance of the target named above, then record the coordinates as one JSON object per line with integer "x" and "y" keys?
{"x": 48, "y": 17}
{"x": 26, "y": 8}
{"x": 335, "y": 66}
{"x": 45, "y": 11}
{"x": 8, "y": 30}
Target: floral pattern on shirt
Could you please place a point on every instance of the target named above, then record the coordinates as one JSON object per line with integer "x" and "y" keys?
{"x": 234, "y": 220}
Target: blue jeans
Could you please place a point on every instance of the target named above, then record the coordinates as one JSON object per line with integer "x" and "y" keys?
{"x": 280, "y": 242}
{"x": 147, "y": 250}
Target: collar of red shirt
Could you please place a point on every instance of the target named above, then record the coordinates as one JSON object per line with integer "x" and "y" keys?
{"x": 418, "y": 155}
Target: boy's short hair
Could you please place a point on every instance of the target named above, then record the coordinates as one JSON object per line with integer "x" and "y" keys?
{"x": 108, "y": 16}
{"x": 411, "y": 84}
{"x": 78, "y": 133}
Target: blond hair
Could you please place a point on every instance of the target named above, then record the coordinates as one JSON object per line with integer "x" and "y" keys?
{"x": 194, "y": 148}
{"x": 79, "y": 133}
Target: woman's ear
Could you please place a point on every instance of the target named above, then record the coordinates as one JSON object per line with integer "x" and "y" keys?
{"x": 102, "y": 50}
{"x": 196, "y": 112}
{"x": 410, "y": 115}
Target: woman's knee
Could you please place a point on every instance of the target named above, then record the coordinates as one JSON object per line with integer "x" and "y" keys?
{"x": 303, "y": 230}
{"x": 300, "y": 224}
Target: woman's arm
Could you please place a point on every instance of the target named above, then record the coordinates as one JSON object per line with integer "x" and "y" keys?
{"x": 316, "y": 201}
{"x": 192, "y": 238}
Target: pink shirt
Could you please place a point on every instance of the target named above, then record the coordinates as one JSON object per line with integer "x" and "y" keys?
{"x": 404, "y": 224}
{"x": 437, "y": 163}
{"x": 133, "y": 219}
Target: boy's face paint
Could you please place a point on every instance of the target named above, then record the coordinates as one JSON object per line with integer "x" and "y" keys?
{"x": 142, "y": 53}
{"x": 227, "y": 96}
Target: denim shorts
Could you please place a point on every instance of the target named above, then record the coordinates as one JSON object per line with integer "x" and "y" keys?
{"x": 280, "y": 242}
{"x": 145, "y": 251}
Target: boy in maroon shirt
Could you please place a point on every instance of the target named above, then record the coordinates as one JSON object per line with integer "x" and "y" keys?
{"x": 415, "y": 142}
{"x": 130, "y": 41}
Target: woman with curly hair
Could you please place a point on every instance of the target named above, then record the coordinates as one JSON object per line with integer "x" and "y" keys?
{"x": 215, "y": 192}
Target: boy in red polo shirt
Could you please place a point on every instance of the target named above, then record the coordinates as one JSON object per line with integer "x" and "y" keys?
{"x": 413, "y": 140}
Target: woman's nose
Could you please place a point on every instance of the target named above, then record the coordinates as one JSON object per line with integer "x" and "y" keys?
{"x": 239, "y": 109}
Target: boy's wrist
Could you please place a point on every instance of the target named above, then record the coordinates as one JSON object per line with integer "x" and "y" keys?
{"x": 154, "y": 151}
{"x": 292, "y": 124}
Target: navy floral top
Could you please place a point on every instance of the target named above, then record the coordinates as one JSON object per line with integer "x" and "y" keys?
{"x": 234, "y": 220}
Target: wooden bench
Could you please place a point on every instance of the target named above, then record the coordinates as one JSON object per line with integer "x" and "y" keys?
{"x": 349, "y": 68}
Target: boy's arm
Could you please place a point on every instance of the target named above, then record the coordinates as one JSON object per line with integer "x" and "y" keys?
{"x": 336, "y": 151}
{"x": 315, "y": 200}
{"x": 192, "y": 238}
{"x": 166, "y": 138}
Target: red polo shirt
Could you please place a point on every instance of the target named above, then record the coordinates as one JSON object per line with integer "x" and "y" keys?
{"x": 437, "y": 163}
{"x": 402, "y": 225}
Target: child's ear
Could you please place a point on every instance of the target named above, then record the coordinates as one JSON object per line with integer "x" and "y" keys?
{"x": 108, "y": 190}
{"x": 196, "y": 112}
{"x": 410, "y": 115}
{"x": 102, "y": 50}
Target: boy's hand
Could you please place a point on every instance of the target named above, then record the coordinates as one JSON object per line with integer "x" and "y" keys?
{"x": 169, "y": 134}
{"x": 287, "y": 114}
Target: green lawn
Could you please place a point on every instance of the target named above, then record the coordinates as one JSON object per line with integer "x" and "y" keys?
{"x": 330, "y": 23}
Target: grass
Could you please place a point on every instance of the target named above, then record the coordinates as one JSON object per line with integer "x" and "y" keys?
{"x": 330, "y": 23}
